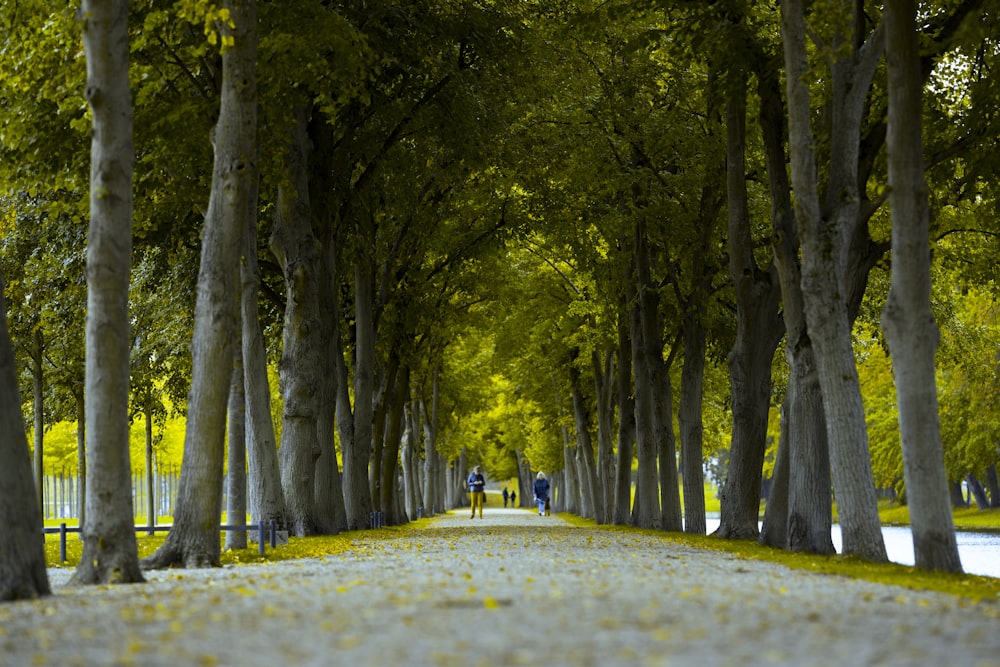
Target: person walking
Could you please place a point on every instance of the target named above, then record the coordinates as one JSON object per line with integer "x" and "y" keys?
{"x": 513, "y": 497}
{"x": 541, "y": 491}
{"x": 477, "y": 489}
{"x": 506, "y": 496}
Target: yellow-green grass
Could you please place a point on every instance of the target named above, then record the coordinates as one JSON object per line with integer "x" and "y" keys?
{"x": 892, "y": 514}
{"x": 317, "y": 546}
{"x": 974, "y": 587}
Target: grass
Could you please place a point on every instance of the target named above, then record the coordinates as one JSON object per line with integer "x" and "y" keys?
{"x": 973, "y": 587}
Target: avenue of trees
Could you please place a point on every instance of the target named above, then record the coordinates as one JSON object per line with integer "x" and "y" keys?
{"x": 620, "y": 242}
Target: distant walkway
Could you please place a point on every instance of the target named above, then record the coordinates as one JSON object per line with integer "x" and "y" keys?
{"x": 510, "y": 589}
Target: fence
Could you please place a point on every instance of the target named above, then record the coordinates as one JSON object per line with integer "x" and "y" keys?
{"x": 270, "y": 529}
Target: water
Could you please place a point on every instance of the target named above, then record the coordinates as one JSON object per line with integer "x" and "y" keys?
{"x": 979, "y": 552}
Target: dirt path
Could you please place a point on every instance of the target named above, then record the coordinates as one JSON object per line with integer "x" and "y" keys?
{"x": 510, "y": 589}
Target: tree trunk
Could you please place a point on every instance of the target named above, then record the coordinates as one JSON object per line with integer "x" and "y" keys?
{"x": 267, "y": 501}
{"x": 328, "y": 492}
{"x": 194, "y": 539}
{"x": 604, "y": 384}
{"x": 396, "y": 397}
{"x": 758, "y": 331}
{"x": 774, "y": 531}
{"x": 433, "y": 501}
{"x": 236, "y": 478}
{"x": 692, "y": 430}
{"x": 584, "y": 448}
{"x": 994, "y": 485}
{"x": 976, "y": 490}
{"x": 110, "y": 553}
{"x": 646, "y": 362}
{"x": 626, "y": 420}
{"x": 298, "y": 253}
{"x": 826, "y": 237}
{"x": 907, "y": 318}
{"x": 357, "y": 495}
{"x": 22, "y": 558}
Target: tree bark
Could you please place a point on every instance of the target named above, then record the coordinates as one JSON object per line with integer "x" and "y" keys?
{"x": 604, "y": 384}
{"x": 357, "y": 495}
{"x": 825, "y": 236}
{"x": 907, "y": 318}
{"x": 236, "y": 478}
{"x": 691, "y": 427}
{"x": 646, "y": 362}
{"x": 626, "y": 416}
{"x": 584, "y": 447}
{"x": 300, "y": 370}
{"x": 22, "y": 558}
{"x": 328, "y": 490}
{"x": 110, "y": 553}
{"x": 433, "y": 501}
{"x": 758, "y": 331}
{"x": 194, "y": 539}
{"x": 267, "y": 500}
{"x": 396, "y": 397}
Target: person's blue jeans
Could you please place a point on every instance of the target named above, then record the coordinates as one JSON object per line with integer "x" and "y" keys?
{"x": 541, "y": 505}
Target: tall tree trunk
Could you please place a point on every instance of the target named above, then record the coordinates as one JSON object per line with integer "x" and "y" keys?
{"x": 298, "y": 252}
{"x": 267, "y": 500}
{"x": 22, "y": 558}
{"x": 110, "y": 553}
{"x": 758, "y": 331}
{"x": 626, "y": 417}
{"x": 805, "y": 512}
{"x": 604, "y": 385}
{"x": 236, "y": 479}
{"x": 584, "y": 447}
{"x": 396, "y": 397}
{"x": 774, "y": 529}
{"x": 691, "y": 427}
{"x": 994, "y": 485}
{"x": 907, "y": 318}
{"x": 647, "y": 359}
{"x": 194, "y": 539}
{"x": 826, "y": 236}
{"x": 357, "y": 494}
{"x": 433, "y": 501}
{"x": 328, "y": 491}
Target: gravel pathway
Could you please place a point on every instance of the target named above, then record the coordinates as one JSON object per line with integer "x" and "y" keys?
{"x": 510, "y": 589}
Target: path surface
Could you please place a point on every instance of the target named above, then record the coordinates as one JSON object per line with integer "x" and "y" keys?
{"x": 510, "y": 589}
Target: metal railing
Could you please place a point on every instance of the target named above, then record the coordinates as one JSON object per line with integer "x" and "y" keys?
{"x": 262, "y": 528}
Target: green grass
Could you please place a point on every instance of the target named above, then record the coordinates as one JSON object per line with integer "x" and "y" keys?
{"x": 973, "y": 587}
{"x": 892, "y": 514}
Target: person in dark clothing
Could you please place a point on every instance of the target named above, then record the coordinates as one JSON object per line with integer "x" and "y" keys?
{"x": 477, "y": 489}
{"x": 506, "y": 496}
{"x": 541, "y": 491}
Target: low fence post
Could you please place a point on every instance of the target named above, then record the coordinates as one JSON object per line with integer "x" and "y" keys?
{"x": 62, "y": 542}
{"x": 274, "y": 533}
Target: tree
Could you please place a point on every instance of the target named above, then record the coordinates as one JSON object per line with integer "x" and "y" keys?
{"x": 907, "y": 319}
{"x": 110, "y": 553}
{"x": 22, "y": 560}
{"x": 194, "y": 539}
{"x": 825, "y": 233}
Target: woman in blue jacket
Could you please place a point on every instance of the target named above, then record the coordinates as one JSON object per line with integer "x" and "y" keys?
{"x": 541, "y": 491}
